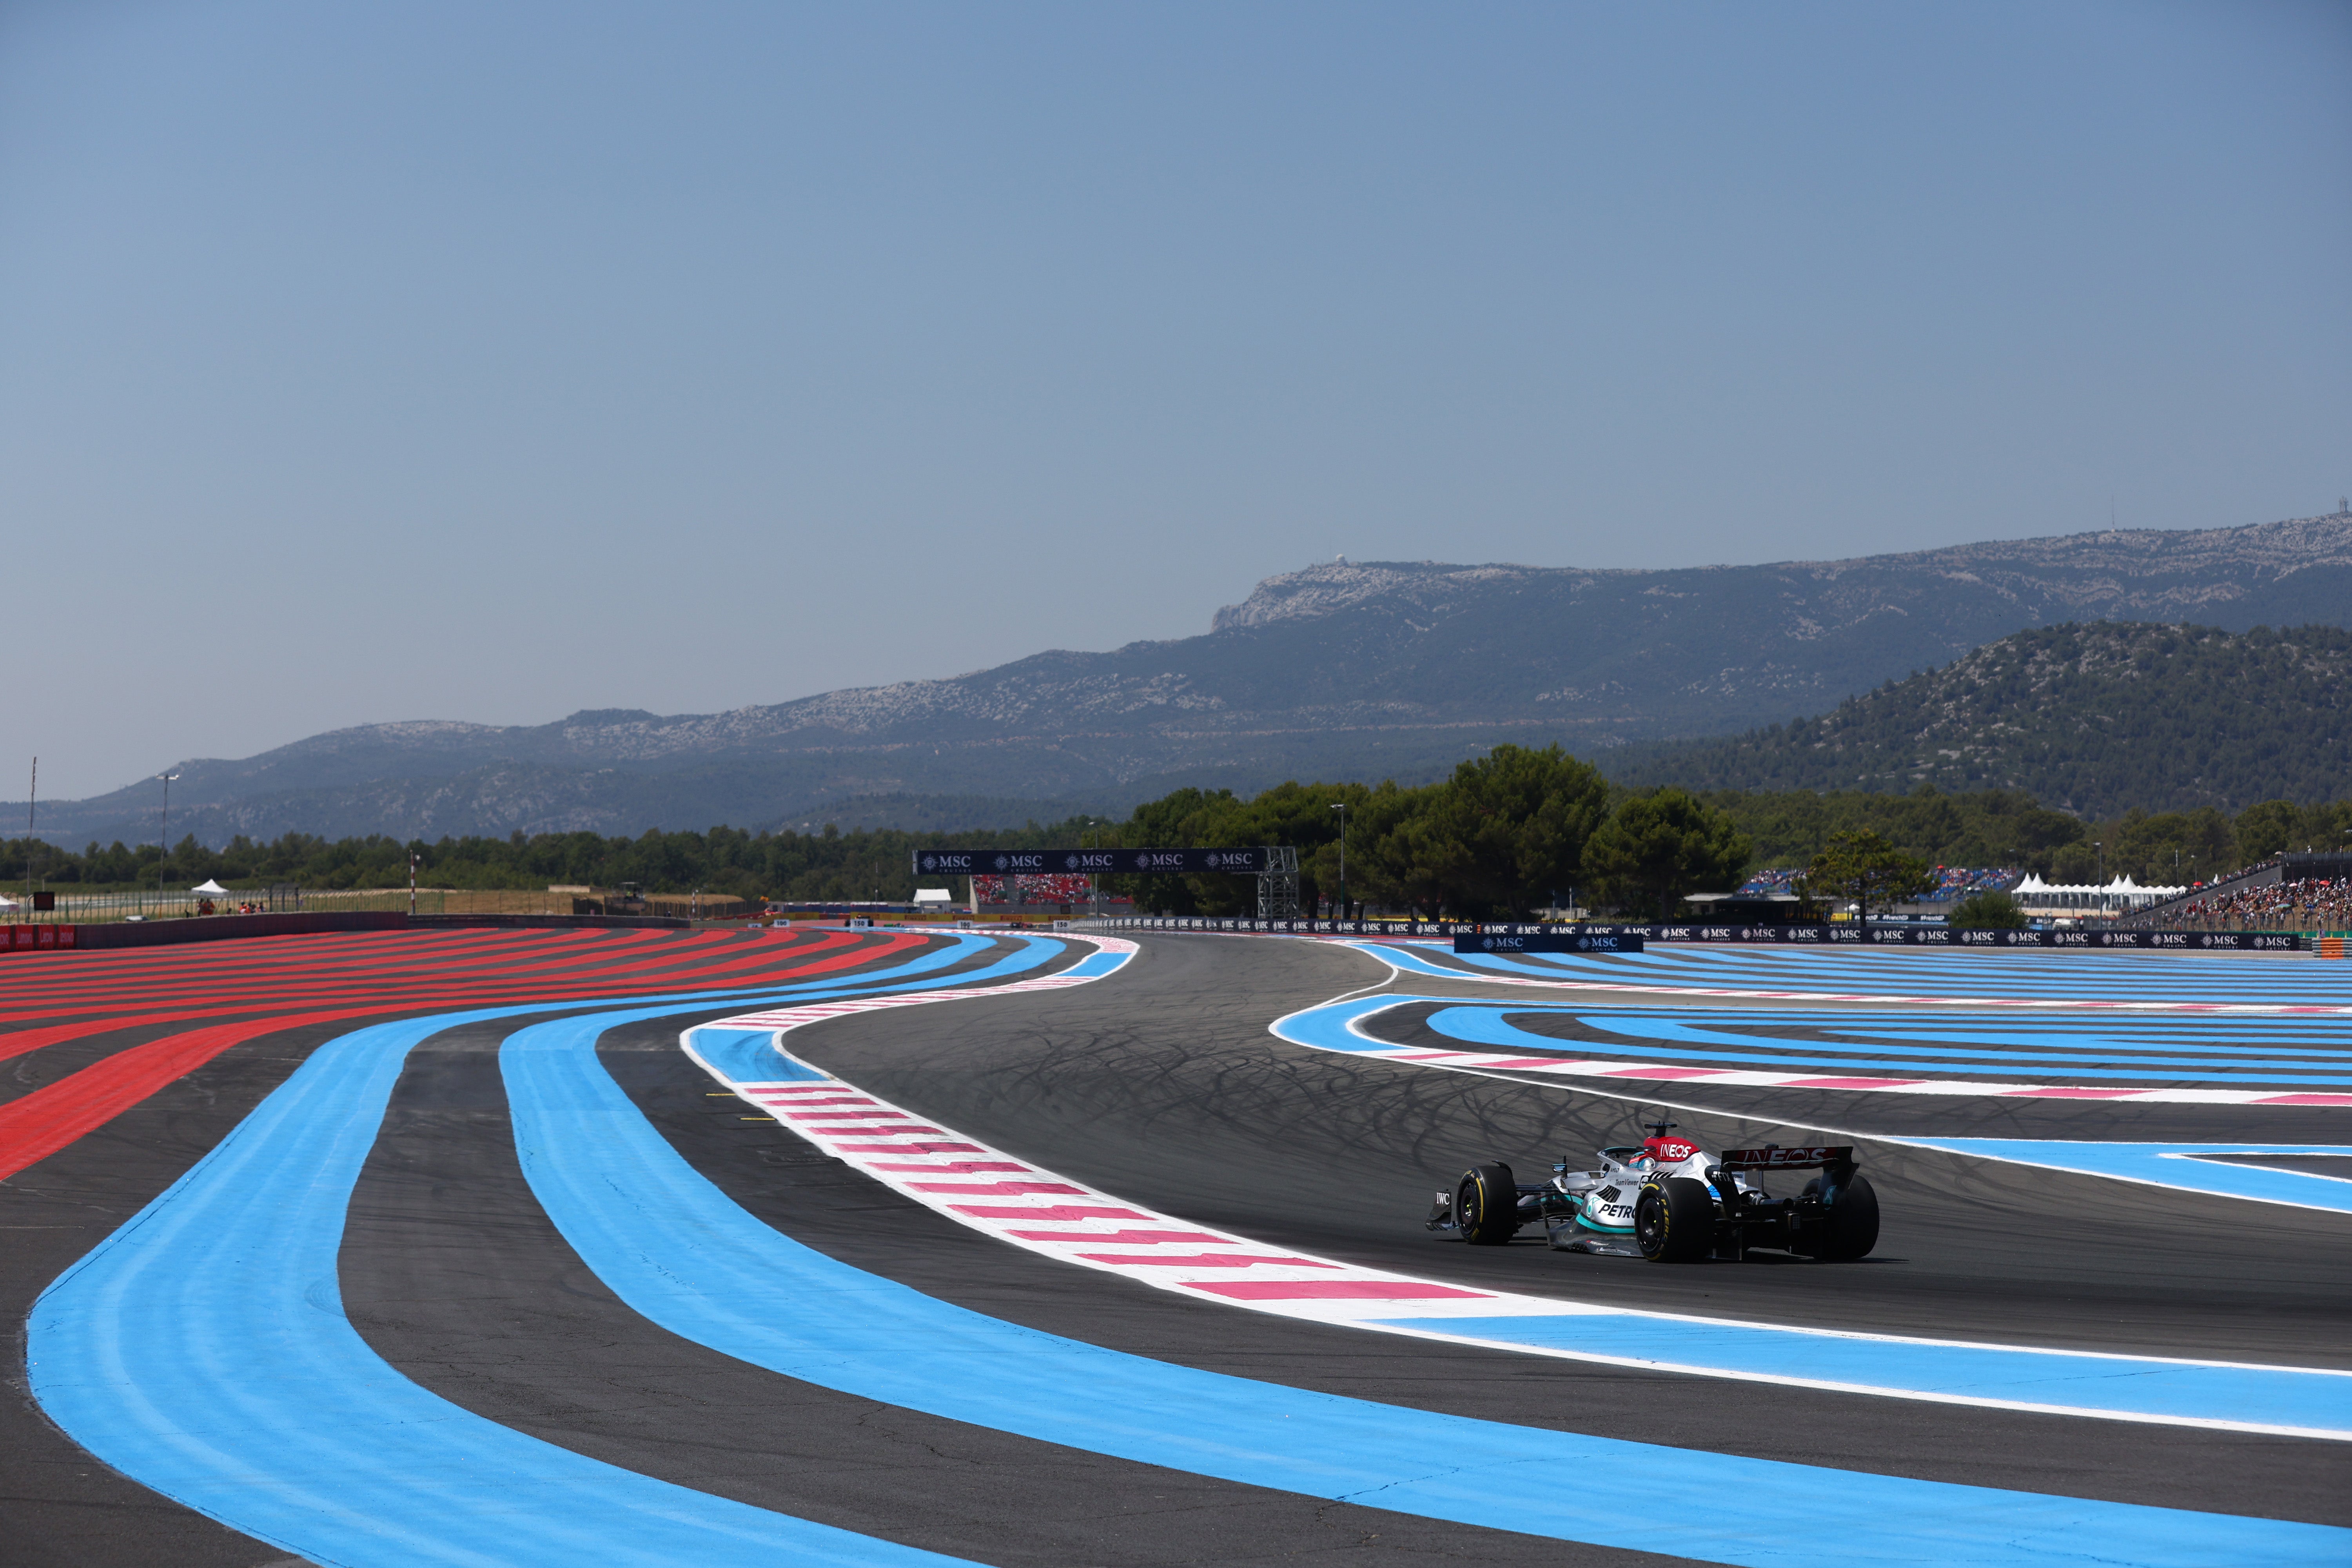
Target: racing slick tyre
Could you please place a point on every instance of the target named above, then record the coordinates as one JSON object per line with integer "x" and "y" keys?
{"x": 1487, "y": 1205}
{"x": 1850, "y": 1226}
{"x": 1674, "y": 1220}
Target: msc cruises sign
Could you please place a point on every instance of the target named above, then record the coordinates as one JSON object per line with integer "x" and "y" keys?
{"x": 1083, "y": 862}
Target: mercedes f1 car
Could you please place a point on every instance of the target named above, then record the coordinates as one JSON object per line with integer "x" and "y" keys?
{"x": 1670, "y": 1201}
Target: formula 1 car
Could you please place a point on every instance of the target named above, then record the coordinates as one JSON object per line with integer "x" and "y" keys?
{"x": 1670, "y": 1201}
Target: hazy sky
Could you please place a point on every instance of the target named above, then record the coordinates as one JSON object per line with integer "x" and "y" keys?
{"x": 489, "y": 361}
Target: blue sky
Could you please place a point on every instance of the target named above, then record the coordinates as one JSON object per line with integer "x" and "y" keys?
{"x": 363, "y": 364}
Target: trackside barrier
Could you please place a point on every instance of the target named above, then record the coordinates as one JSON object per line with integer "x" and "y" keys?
{"x": 1551, "y": 942}
{"x": 1772, "y": 935}
{"x": 2331, "y": 945}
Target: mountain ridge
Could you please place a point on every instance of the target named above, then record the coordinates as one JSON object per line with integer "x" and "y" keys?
{"x": 1361, "y": 669}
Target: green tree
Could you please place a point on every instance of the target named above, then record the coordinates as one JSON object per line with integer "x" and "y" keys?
{"x": 2171, "y": 848}
{"x": 2075, "y": 866}
{"x": 1655, "y": 847}
{"x": 1396, "y": 860}
{"x": 1511, "y": 827}
{"x": 2265, "y": 829}
{"x": 1866, "y": 869}
{"x": 1988, "y": 911}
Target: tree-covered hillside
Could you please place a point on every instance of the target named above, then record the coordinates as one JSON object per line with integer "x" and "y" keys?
{"x": 2095, "y": 719}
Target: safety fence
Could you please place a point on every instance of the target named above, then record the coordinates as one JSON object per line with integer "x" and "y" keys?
{"x": 103, "y": 908}
{"x": 53, "y": 938}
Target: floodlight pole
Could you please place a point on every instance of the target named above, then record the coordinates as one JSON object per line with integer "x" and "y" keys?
{"x": 1341, "y": 807}
{"x": 163, "y": 835}
{"x": 412, "y": 885}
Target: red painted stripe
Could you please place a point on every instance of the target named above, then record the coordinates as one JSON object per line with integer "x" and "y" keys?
{"x": 1201, "y": 1261}
{"x": 1123, "y": 1238}
{"x": 911, "y": 1149}
{"x": 1844, "y": 1082}
{"x": 1001, "y": 1189}
{"x": 1662, "y": 1072}
{"x": 204, "y": 972}
{"x": 869, "y": 1131}
{"x": 39, "y": 1123}
{"x": 2070, "y": 1094}
{"x": 1326, "y": 1289}
{"x": 1066, "y": 1213}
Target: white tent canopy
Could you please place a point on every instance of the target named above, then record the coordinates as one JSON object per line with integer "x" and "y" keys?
{"x": 2121, "y": 892}
{"x": 210, "y": 889}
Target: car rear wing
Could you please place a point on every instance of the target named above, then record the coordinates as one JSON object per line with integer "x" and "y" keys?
{"x": 1805, "y": 1157}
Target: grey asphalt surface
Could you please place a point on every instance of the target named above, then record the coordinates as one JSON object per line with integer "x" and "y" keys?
{"x": 1161, "y": 1085}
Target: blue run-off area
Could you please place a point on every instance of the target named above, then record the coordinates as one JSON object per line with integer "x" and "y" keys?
{"x": 202, "y": 1351}
{"x": 2212, "y": 978}
{"x": 1963, "y": 1045}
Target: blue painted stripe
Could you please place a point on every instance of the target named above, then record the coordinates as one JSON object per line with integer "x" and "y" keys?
{"x": 678, "y": 1250}
{"x": 750, "y": 1056}
{"x": 747, "y": 1056}
{"x": 2254, "y": 1396}
{"x": 1326, "y": 1027}
{"x": 2172, "y": 1165}
{"x": 202, "y": 1349}
{"x": 2122, "y": 977}
{"x": 1491, "y": 1026}
{"x": 1956, "y": 1040}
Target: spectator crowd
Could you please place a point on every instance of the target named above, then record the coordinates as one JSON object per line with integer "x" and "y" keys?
{"x": 2311, "y": 903}
{"x": 1050, "y": 887}
{"x": 1953, "y": 883}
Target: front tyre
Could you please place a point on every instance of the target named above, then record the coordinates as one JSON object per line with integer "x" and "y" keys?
{"x": 1487, "y": 1205}
{"x": 1674, "y": 1220}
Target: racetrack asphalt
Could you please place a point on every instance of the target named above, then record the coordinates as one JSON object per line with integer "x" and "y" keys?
{"x": 1161, "y": 1084}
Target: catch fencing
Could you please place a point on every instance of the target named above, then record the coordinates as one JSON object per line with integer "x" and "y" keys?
{"x": 147, "y": 904}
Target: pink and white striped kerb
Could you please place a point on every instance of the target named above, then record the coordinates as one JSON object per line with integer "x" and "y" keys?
{"x": 1042, "y": 1210}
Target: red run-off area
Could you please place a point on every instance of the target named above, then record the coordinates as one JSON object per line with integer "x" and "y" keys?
{"x": 208, "y": 997}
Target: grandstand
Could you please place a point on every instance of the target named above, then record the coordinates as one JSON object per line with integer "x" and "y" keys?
{"x": 1059, "y": 890}
{"x": 2307, "y": 903}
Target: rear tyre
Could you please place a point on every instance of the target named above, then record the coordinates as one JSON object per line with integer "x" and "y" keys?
{"x": 1850, "y": 1226}
{"x": 1487, "y": 1205}
{"x": 1674, "y": 1220}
